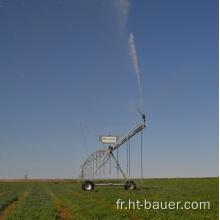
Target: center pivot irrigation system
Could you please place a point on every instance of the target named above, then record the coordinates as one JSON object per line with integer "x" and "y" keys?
{"x": 99, "y": 158}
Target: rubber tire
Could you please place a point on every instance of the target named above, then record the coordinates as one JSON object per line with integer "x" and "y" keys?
{"x": 88, "y": 185}
{"x": 130, "y": 185}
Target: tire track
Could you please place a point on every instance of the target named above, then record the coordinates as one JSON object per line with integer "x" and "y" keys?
{"x": 73, "y": 192}
{"x": 11, "y": 207}
{"x": 62, "y": 211}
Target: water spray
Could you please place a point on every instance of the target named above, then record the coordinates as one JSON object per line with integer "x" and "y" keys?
{"x": 134, "y": 58}
{"x": 133, "y": 106}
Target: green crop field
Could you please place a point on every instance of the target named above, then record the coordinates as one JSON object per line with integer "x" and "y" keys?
{"x": 190, "y": 198}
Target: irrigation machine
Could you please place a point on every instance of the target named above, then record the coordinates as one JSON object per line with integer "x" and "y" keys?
{"x": 98, "y": 159}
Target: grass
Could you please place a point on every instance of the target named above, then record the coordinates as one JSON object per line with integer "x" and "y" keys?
{"x": 66, "y": 200}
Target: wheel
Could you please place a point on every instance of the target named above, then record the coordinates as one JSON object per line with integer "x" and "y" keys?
{"x": 130, "y": 185}
{"x": 88, "y": 185}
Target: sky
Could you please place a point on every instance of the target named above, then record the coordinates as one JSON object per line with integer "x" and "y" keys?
{"x": 67, "y": 61}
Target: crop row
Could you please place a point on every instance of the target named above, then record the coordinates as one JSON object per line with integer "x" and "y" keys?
{"x": 81, "y": 206}
{"x": 10, "y": 192}
{"x": 37, "y": 205}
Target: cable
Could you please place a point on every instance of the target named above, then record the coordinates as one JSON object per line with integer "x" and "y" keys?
{"x": 141, "y": 161}
{"x": 118, "y": 162}
{"x": 129, "y": 158}
{"x": 110, "y": 169}
{"x": 104, "y": 170}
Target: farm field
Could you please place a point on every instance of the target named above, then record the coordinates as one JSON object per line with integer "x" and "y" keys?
{"x": 66, "y": 200}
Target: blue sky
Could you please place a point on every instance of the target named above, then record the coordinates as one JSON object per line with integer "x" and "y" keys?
{"x": 65, "y": 61}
